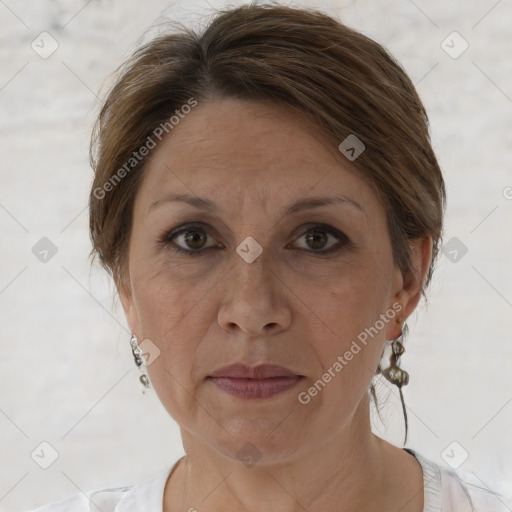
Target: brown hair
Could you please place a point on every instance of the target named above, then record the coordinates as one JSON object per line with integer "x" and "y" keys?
{"x": 346, "y": 82}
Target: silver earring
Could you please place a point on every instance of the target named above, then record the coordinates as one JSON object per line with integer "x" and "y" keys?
{"x": 393, "y": 373}
{"x": 396, "y": 375}
{"x": 139, "y": 361}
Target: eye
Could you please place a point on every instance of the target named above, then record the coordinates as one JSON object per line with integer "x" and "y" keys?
{"x": 189, "y": 240}
{"x": 317, "y": 237}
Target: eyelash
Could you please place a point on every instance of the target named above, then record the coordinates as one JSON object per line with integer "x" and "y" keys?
{"x": 169, "y": 236}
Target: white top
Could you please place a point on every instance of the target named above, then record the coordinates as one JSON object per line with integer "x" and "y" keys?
{"x": 444, "y": 491}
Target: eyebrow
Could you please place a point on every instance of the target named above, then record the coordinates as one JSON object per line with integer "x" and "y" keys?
{"x": 304, "y": 203}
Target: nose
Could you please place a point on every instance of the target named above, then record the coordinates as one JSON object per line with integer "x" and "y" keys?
{"x": 255, "y": 299}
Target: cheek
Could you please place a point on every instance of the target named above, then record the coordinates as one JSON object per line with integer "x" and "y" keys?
{"x": 350, "y": 312}
{"x": 164, "y": 311}
{"x": 163, "y": 296}
{"x": 346, "y": 364}
{"x": 356, "y": 296}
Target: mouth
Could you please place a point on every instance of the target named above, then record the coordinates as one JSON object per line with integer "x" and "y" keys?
{"x": 253, "y": 383}
{"x": 254, "y": 389}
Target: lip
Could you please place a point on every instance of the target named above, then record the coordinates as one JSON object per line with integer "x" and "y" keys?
{"x": 252, "y": 383}
{"x": 262, "y": 371}
{"x": 254, "y": 389}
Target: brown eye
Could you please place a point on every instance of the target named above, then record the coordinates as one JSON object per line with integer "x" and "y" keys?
{"x": 189, "y": 240}
{"x": 194, "y": 239}
{"x": 317, "y": 239}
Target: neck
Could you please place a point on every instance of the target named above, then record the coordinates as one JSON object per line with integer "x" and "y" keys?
{"x": 351, "y": 471}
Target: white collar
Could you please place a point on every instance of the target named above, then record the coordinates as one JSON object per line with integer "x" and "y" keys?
{"x": 148, "y": 495}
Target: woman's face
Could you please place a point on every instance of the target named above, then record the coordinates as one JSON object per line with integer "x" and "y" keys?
{"x": 324, "y": 277}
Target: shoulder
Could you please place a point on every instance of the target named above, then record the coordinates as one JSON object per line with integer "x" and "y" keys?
{"x": 145, "y": 495}
{"x": 464, "y": 488}
{"x": 105, "y": 500}
{"x": 448, "y": 490}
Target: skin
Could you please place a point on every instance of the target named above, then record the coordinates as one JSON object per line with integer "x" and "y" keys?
{"x": 291, "y": 306}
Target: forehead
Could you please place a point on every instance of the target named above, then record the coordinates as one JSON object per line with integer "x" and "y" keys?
{"x": 230, "y": 148}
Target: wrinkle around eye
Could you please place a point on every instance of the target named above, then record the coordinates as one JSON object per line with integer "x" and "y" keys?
{"x": 336, "y": 240}
{"x": 290, "y": 230}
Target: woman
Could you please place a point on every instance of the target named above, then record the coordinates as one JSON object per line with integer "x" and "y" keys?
{"x": 268, "y": 203}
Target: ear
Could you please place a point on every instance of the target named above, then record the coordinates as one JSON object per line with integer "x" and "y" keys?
{"x": 408, "y": 284}
{"x": 124, "y": 290}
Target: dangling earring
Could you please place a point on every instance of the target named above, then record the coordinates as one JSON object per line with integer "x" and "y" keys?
{"x": 396, "y": 375}
{"x": 139, "y": 361}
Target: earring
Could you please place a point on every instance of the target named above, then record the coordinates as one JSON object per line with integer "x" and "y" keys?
{"x": 139, "y": 361}
{"x": 393, "y": 373}
{"x": 396, "y": 375}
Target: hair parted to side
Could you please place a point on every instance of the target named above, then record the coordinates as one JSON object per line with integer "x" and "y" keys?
{"x": 344, "y": 81}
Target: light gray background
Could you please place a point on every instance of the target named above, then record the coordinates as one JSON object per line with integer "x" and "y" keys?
{"x": 66, "y": 372}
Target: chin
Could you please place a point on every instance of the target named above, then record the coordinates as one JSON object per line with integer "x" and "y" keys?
{"x": 258, "y": 441}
